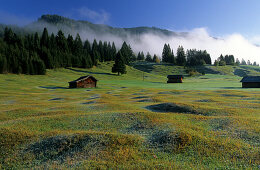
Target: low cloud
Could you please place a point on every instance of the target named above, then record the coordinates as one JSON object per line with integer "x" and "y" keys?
{"x": 198, "y": 38}
{"x": 99, "y": 17}
{"x": 153, "y": 42}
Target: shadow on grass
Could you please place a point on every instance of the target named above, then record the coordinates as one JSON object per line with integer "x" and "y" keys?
{"x": 206, "y": 70}
{"x": 230, "y": 87}
{"x": 90, "y": 72}
{"x": 174, "y": 108}
{"x": 241, "y": 72}
{"x": 53, "y": 87}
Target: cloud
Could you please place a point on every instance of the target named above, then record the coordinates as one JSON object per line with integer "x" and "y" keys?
{"x": 255, "y": 39}
{"x": 99, "y": 17}
{"x": 11, "y": 19}
{"x": 200, "y": 39}
{"x": 153, "y": 42}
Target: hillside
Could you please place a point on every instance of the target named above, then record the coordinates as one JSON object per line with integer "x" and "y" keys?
{"x": 70, "y": 26}
{"x": 167, "y": 69}
{"x": 134, "y": 121}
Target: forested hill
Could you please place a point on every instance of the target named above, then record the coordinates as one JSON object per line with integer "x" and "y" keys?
{"x": 70, "y": 26}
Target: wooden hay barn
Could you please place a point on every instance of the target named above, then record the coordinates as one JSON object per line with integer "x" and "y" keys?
{"x": 174, "y": 78}
{"x": 251, "y": 82}
{"x": 84, "y": 82}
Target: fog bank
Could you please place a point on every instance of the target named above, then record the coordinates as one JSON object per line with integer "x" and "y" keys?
{"x": 153, "y": 42}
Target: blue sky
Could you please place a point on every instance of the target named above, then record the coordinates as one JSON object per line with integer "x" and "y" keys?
{"x": 220, "y": 17}
{"x": 236, "y": 23}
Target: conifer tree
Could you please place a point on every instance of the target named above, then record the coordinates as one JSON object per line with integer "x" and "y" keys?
{"x": 105, "y": 51}
{"x": 243, "y": 62}
{"x": 119, "y": 66}
{"x": 44, "y": 42}
{"x": 3, "y": 64}
{"x": 113, "y": 51}
{"x": 180, "y": 58}
{"x": 237, "y": 62}
{"x": 8, "y": 35}
{"x": 101, "y": 50}
{"x": 126, "y": 52}
{"x": 87, "y": 47}
{"x": 70, "y": 42}
{"x": 156, "y": 59}
{"x": 167, "y": 54}
{"x": 95, "y": 55}
{"x": 109, "y": 52}
{"x": 148, "y": 57}
{"x": 36, "y": 42}
{"x": 61, "y": 42}
{"x": 78, "y": 46}
{"x": 140, "y": 56}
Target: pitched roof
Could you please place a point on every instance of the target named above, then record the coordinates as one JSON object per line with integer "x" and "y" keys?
{"x": 251, "y": 79}
{"x": 175, "y": 76}
{"x": 84, "y": 77}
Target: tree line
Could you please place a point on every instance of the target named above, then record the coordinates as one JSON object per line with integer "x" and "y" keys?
{"x": 192, "y": 57}
{"x": 34, "y": 53}
{"x": 230, "y": 60}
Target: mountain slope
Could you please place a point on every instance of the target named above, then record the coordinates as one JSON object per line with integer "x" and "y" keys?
{"x": 87, "y": 29}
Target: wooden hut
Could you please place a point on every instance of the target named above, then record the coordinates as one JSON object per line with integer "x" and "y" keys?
{"x": 84, "y": 82}
{"x": 251, "y": 82}
{"x": 174, "y": 78}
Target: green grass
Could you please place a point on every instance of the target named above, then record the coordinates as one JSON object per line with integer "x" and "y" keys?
{"x": 44, "y": 124}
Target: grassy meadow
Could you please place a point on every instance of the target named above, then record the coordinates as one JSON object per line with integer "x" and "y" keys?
{"x": 133, "y": 121}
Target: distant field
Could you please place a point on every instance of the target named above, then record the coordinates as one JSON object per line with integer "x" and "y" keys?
{"x": 131, "y": 121}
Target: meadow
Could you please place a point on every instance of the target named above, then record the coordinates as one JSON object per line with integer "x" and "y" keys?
{"x": 131, "y": 121}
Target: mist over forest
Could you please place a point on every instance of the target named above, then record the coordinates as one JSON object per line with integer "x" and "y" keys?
{"x": 150, "y": 39}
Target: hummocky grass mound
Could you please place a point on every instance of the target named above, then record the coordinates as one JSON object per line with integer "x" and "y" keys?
{"x": 83, "y": 146}
{"x": 170, "y": 141}
{"x": 172, "y": 107}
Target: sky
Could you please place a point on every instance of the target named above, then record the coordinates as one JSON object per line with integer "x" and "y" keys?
{"x": 217, "y": 18}
{"x": 220, "y": 17}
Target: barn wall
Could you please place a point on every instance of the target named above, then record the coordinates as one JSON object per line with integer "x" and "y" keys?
{"x": 73, "y": 85}
{"x": 87, "y": 83}
{"x": 174, "y": 81}
{"x": 251, "y": 85}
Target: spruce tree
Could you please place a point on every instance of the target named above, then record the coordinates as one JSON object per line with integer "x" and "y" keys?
{"x": 8, "y": 35}
{"x": 140, "y": 56}
{"x": 119, "y": 66}
{"x": 3, "y": 64}
{"x": 113, "y": 51}
{"x": 243, "y": 62}
{"x": 180, "y": 58}
{"x": 95, "y": 55}
{"x": 156, "y": 59}
{"x": 78, "y": 46}
{"x": 44, "y": 42}
{"x": 167, "y": 54}
{"x": 36, "y": 42}
{"x": 237, "y": 62}
{"x": 127, "y": 52}
{"x": 87, "y": 47}
{"x": 109, "y": 52}
{"x": 70, "y": 42}
{"x": 148, "y": 57}
{"x": 101, "y": 50}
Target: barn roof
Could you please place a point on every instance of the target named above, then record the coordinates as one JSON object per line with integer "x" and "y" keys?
{"x": 251, "y": 79}
{"x": 175, "y": 76}
{"x": 84, "y": 77}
